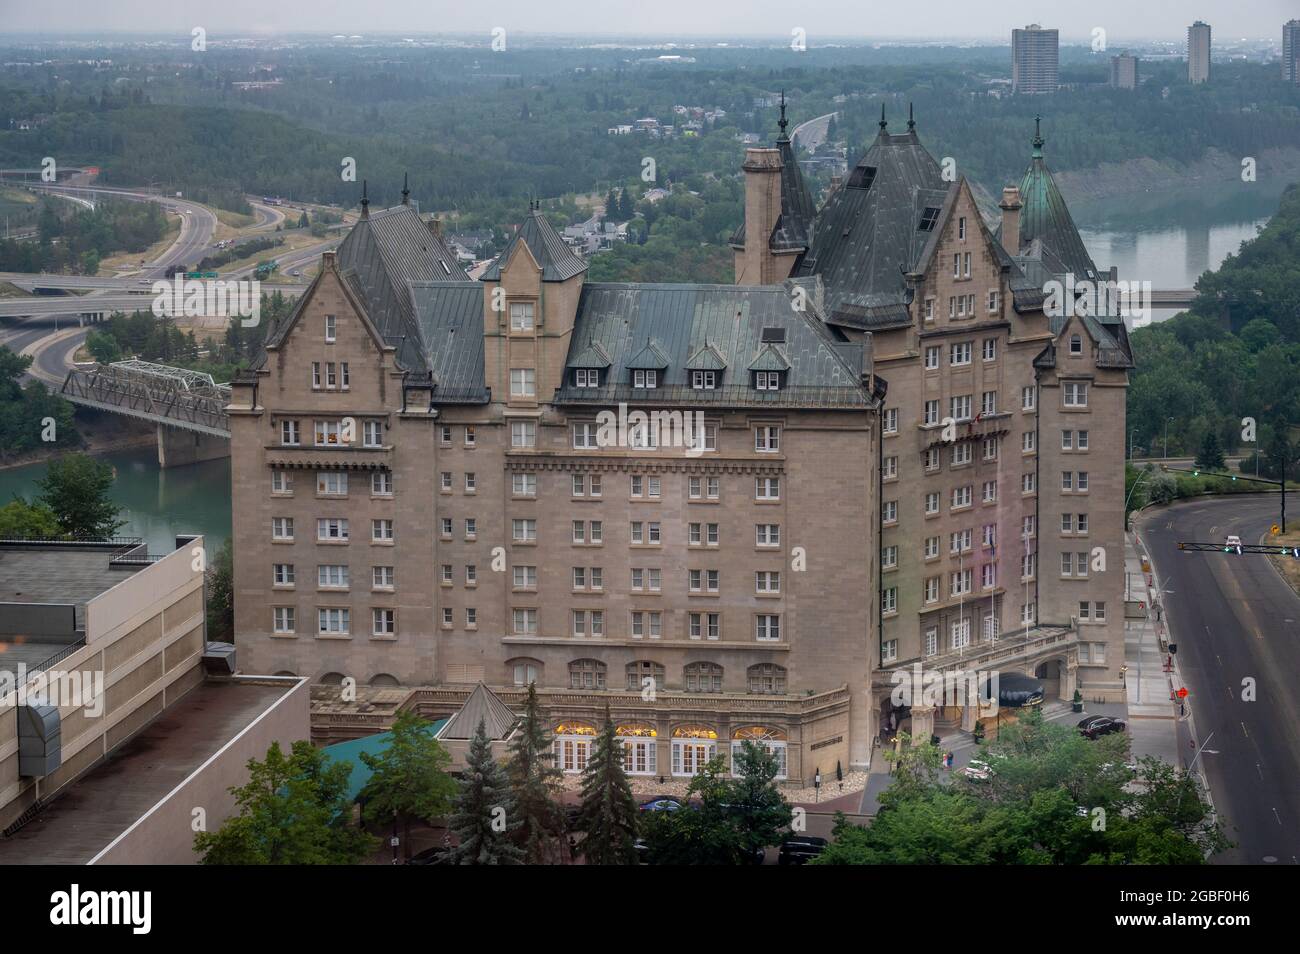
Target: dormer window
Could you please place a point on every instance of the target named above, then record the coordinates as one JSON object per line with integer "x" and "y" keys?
{"x": 645, "y": 379}
{"x": 767, "y": 380}
{"x": 704, "y": 380}
{"x": 521, "y": 316}
{"x": 1076, "y": 344}
{"x": 929, "y": 217}
{"x": 586, "y": 378}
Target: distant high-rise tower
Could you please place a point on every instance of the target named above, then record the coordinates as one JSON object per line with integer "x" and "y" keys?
{"x": 1035, "y": 57}
{"x": 1291, "y": 51}
{"x": 1198, "y": 52}
{"x": 1124, "y": 71}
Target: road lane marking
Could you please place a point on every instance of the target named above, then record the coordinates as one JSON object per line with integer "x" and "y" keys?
{"x": 1243, "y": 730}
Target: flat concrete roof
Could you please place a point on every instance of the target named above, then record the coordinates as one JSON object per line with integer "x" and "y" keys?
{"x": 16, "y": 651}
{"x": 86, "y": 816}
{"x": 58, "y": 573}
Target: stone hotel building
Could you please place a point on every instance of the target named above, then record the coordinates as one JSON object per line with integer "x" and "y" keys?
{"x": 884, "y": 452}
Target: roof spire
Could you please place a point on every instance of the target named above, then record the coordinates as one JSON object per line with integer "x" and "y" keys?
{"x": 1038, "y": 137}
{"x": 365, "y": 201}
{"x": 911, "y": 123}
{"x": 406, "y": 189}
{"x": 883, "y": 124}
{"x": 782, "y": 121}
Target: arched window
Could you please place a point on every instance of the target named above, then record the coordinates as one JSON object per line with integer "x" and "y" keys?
{"x": 639, "y": 749}
{"x": 693, "y": 746}
{"x": 523, "y": 671}
{"x": 572, "y": 745}
{"x": 767, "y": 679}
{"x": 587, "y": 674}
{"x": 384, "y": 680}
{"x": 640, "y": 671}
{"x": 770, "y": 739}
{"x": 703, "y": 677}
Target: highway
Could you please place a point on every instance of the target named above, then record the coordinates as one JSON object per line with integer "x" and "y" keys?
{"x": 1234, "y": 619}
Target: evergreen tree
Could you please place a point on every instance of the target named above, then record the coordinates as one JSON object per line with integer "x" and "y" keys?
{"x": 410, "y": 778}
{"x": 611, "y": 206}
{"x": 609, "y": 812}
{"x": 75, "y": 488}
{"x": 534, "y": 781}
{"x": 484, "y": 817}
{"x": 221, "y": 595}
{"x": 1211, "y": 455}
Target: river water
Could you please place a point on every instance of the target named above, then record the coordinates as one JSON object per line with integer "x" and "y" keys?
{"x": 157, "y": 504}
{"x": 1168, "y": 240}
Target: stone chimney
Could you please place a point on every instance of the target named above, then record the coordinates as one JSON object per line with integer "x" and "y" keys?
{"x": 435, "y": 227}
{"x": 1010, "y": 206}
{"x": 756, "y": 265}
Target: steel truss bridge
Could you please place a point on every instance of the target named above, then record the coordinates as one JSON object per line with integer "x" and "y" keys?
{"x": 173, "y": 397}
{"x": 1239, "y": 549}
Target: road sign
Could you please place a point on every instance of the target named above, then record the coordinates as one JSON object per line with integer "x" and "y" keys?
{"x": 1182, "y": 693}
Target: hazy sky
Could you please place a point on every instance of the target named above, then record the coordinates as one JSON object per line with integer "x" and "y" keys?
{"x": 861, "y": 19}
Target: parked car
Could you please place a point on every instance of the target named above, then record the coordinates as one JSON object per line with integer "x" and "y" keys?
{"x": 1233, "y": 540}
{"x": 430, "y": 856}
{"x": 978, "y": 771}
{"x": 664, "y": 803}
{"x": 1096, "y": 726}
{"x": 800, "y": 848}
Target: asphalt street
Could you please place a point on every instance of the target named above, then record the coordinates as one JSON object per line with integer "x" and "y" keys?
{"x": 1236, "y": 624}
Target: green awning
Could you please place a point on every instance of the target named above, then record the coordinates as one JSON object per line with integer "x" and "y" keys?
{"x": 351, "y": 751}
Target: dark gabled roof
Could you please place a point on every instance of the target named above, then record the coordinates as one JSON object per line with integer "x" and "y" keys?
{"x": 380, "y": 257}
{"x": 794, "y": 228}
{"x": 770, "y": 359}
{"x": 1045, "y": 218}
{"x": 558, "y": 262}
{"x": 664, "y": 326}
{"x": 592, "y": 356}
{"x": 868, "y": 234}
{"x": 649, "y": 358}
{"x": 706, "y": 358}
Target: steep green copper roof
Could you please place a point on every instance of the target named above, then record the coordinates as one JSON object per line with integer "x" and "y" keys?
{"x": 1045, "y": 217}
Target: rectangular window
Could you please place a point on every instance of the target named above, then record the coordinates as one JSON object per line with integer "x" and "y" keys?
{"x": 767, "y": 627}
{"x": 930, "y": 550}
{"x": 889, "y": 557}
{"x": 961, "y": 454}
{"x": 335, "y": 621}
{"x": 283, "y": 574}
{"x": 372, "y": 434}
{"x": 524, "y": 622}
{"x": 332, "y": 576}
{"x": 524, "y": 485}
{"x": 1083, "y": 440}
{"x": 281, "y": 482}
{"x": 331, "y": 328}
{"x": 767, "y": 581}
{"x": 381, "y": 483}
{"x": 1027, "y": 442}
{"x": 767, "y": 535}
{"x": 990, "y": 491}
{"x": 383, "y": 622}
{"x": 331, "y": 528}
{"x": 586, "y": 378}
{"x": 523, "y": 382}
{"x": 932, "y": 502}
{"x": 704, "y": 380}
{"x": 767, "y": 380}
{"x": 645, "y": 379}
{"x": 327, "y": 432}
{"x": 959, "y": 354}
{"x": 766, "y": 488}
{"x": 932, "y": 358}
{"x": 889, "y": 468}
{"x": 521, "y": 316}
{"x": 767, "y": 438}
{"x": 931, "y": 413}
{"x": 525, "y": 577}
{"x": 283, "y": 618}
{"x": 523, "y": 433}
{"x": 381, "y": 531}
{"x": 1027, "y": 483}
{"x": 1027, "y": 398}
{"x": 990, "y": 349}
{"x": 989, "y": 403}
{"x": 889, "y": 600}
{"x": 929, "y": 309}
{"x": 1083, "y": 481}
{"x": 889, "y": 511}
{"x": 584, "y": 436}
{"x": 523, "y": 530}
{"x": 381, "y": 577}
{"x": 959, "y": 407}
{"x": 891, "y": 421}
{"x": 332, "y": 483}
{"x": 995, "y": 302}
{"x": 1076, "y": 394}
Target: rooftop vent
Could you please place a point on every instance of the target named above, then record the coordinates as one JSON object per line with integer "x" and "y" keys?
{"x": 773, "y": 336}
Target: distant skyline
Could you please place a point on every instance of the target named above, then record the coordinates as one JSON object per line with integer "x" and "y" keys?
{"x": 823, "y": 20}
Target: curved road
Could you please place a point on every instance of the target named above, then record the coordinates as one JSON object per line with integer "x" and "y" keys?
{"x": 1234, "y": 620}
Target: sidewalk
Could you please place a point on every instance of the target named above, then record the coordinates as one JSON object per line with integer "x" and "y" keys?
{"x": 1152, "y": 716}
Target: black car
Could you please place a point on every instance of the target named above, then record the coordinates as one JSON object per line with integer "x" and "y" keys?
{"x": 800, "y": 848}
{"x": 1096, "y": 726}
{"x": 661, "y": 803}
{"x": 430, "y": 856}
